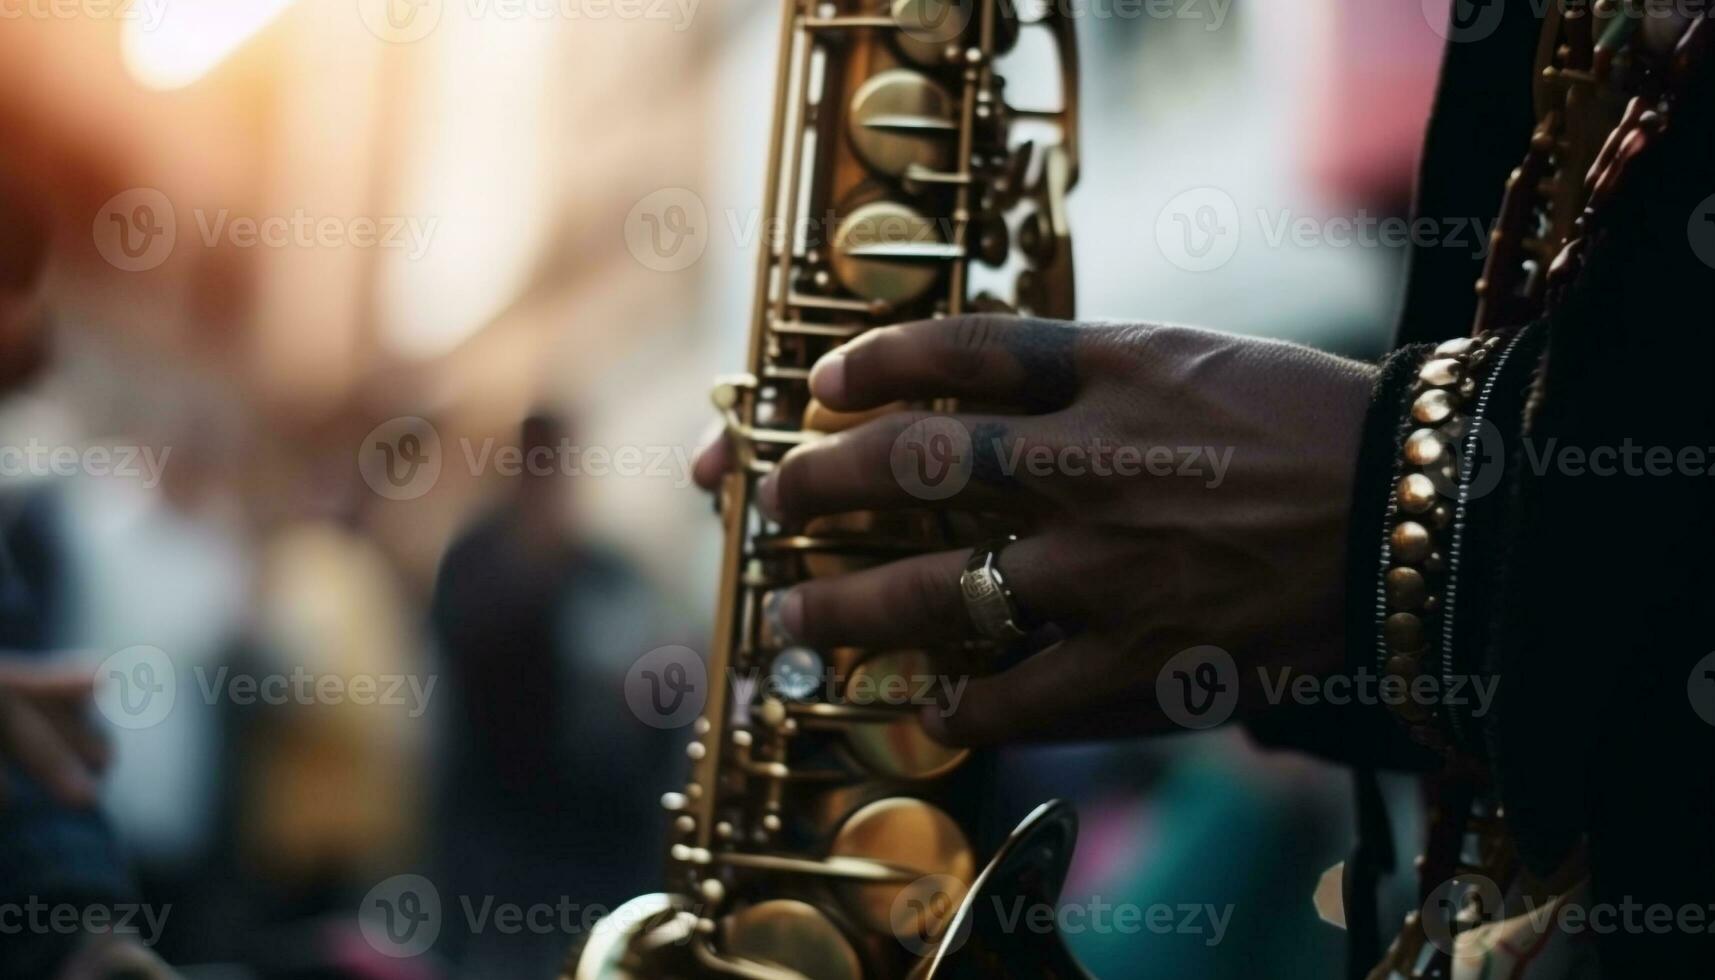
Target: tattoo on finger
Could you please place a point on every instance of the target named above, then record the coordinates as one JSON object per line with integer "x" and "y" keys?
{"x": 1046, "y": 352}
{"x": 988, "y": 455}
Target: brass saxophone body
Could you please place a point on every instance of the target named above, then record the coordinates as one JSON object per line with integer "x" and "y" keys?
{"x": 822, "y": 833}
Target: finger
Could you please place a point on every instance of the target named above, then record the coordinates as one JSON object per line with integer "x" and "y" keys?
{"x": 88, "y": 740}
{"x": 910, "y": 459}
{"x": 1006, "y": 359}
{"x": 31, "y": 677}
{"x": 918, "y": 599}
{"x": 1051, "y": 695}
{"x": 30, "y": 740}
{"x": 714, "y": 458}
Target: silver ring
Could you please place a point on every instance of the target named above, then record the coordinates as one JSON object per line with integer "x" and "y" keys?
{"x": 988, "y": 598}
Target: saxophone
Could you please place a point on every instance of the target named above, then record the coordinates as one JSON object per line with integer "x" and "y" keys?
{"x": 823, "y": 834}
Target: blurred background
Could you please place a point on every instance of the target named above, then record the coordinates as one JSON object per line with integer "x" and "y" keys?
{"x": 282, "y": 231}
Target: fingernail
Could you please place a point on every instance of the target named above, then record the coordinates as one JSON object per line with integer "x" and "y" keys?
{"x": 828, "y": 378}
{"x": 768, "y": 497}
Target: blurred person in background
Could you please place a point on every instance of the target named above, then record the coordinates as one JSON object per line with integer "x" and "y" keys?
{"x": 551, "y": 783}
{"x": 328, "y": 789}
{"x": 56, "y": 849}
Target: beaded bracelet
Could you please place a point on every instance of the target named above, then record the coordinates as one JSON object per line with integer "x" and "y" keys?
{"x": 1419, "y": 524}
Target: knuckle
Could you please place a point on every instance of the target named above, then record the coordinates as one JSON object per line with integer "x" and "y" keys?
{"x": 1129, "y": 351}
{"x": 1122, "y": 340}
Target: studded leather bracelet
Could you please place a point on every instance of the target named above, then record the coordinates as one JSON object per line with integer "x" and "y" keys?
{"x": 1420, "y": 527}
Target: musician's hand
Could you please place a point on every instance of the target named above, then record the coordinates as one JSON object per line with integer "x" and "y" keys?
{"x": 45, "y": 729}
{"x": 1191, "y": 489}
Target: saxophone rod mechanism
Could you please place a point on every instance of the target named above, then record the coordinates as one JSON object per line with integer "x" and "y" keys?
{"x": 841, "y": 868}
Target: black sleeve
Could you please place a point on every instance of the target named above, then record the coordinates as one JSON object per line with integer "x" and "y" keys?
{"x": 1605, "y": 727}
{"x": 1585, "y": 584}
